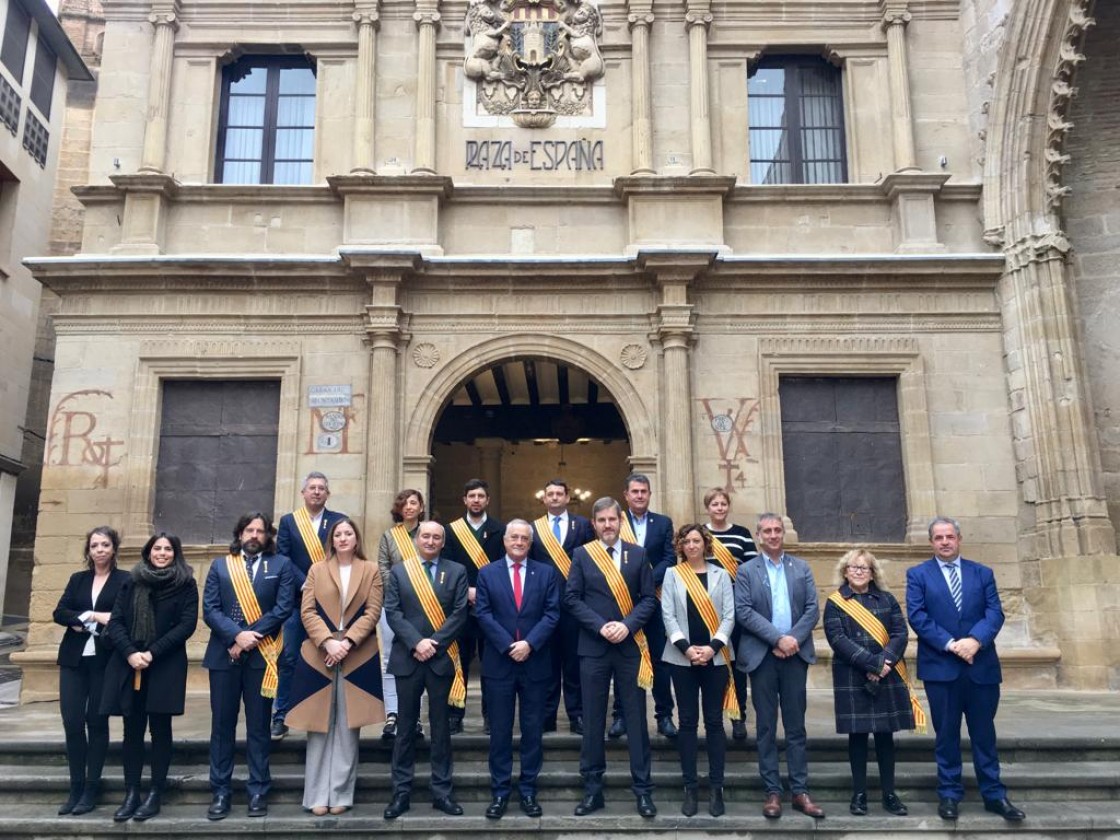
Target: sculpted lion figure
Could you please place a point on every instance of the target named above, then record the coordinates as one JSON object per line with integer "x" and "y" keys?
{"x": 485, "y": 27}
{"x": 586, "y": 62}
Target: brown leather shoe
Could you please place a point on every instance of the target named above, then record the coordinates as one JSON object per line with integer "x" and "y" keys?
{"x": 773, "y": 807}
{"x": 802, "y": 803}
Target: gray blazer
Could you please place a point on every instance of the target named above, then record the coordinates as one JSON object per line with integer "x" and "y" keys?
{"x": 753, "y": 610}
{"x": 674, "y": 612}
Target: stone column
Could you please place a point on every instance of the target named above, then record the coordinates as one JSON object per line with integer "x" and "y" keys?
{"x": 490, "y": 470}
{"x": 895, "y": 18}
{"x": 697, "y": 20}
{"x": 641, "y": 108}
{"x": 427, "y": 20}
{"x": 165, "y": 21}
{"x": 366, "y": 19}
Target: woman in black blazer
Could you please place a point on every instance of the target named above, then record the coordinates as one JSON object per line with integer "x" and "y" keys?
{"x": 146, "y": 679}
{"x": 84, "y": 610}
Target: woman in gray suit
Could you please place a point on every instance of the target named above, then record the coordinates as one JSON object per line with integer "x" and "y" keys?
{"x": 698, "y": 608}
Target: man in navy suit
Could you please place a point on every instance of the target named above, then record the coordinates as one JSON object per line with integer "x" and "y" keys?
{"x": 555, "y": 536}
{"x": 654, "y": 532}
{"x": 609, "y": 647}
{"x": 517, "y": 605}
{"x": 954, "y": 608}
{"x": 291, "y": 543}
{"x": 241, "y": 655}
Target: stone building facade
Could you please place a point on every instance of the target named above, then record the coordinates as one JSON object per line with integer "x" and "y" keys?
{"x": 815, "y": 251}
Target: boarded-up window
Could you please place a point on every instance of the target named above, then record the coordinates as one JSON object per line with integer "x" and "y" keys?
{"x": 843, "y": 459}
{"x": 217, "y": 456}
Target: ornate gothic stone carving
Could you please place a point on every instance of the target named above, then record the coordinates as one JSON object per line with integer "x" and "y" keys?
{"x": 1062, "y": 92}
{"x": 533, "y": 59}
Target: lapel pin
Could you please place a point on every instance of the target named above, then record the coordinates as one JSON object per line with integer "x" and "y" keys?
{"x": 442, "y": 576}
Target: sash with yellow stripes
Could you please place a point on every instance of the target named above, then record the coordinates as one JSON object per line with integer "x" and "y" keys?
{"x": 309, "y": 536}
{"x": 404, "y": 542}
{"x": 626, "y": 532}
{"x": 269, "y": 646}
{"x": 874, "y": 627}
{"x": 724, "y": 556}
{"x": 470, "y": 543}
{"x": 707, "y": 610}
{"x": 552, "y": 546}
{"x": 433, "y": 609}
{"x": 625, "y": 603}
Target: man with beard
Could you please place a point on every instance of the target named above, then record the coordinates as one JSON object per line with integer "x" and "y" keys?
{"x": 248, "y": 595}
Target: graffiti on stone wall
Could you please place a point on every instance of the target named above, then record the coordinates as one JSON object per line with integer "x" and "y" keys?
{"x": 73, "y": 438}
{"x": 730, "y": 420}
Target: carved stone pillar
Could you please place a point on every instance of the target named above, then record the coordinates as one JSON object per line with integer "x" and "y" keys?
{"x": 427, "y": 20}
{"x": 165, "y": 21}
{"x": 895, "y": 18}
{"x": 697, "y": 20}
{"x": 641, "y": 108}
{"x": 366, "y": 19}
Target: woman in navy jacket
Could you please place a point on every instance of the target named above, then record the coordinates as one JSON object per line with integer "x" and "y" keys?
{"x": 84, "y": 610}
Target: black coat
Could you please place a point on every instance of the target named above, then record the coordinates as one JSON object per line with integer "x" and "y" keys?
{"x": 855, "y": 655}
{"x": 75, "y": 600}
{"x": 176, "y": 617}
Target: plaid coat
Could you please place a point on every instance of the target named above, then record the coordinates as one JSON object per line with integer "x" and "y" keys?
{"x": 855, "y": 654}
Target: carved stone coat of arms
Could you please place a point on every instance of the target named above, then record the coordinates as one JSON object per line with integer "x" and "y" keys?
{"x": 533, "y": 59}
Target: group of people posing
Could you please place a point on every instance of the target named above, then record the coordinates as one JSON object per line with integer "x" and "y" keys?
{"x": 307, "y": 631}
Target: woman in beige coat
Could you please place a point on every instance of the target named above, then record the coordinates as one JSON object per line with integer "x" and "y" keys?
{"x": 336, "y": 687}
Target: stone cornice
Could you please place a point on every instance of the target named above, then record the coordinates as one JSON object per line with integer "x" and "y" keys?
{"x": 95, "y": 194}
{"x": 361, "y": 184}
{"x": 660, "y": 185}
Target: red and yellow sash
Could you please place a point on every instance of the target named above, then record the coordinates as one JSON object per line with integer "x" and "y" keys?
{"x": 625, "y": 603}
{"x": 707, "y": 610}
{"x": 309, "y": 536}
{"x": 269, "y": 646}
{"x": 433, "y": 609}
{"x": 725, "y": 557}
{"x": 405, "y": 545}
{"x": 552, "y": 546}
{"x": 470, "y": 543}
{"x": 626, "y": 532}
{"x": 874, "y": 627}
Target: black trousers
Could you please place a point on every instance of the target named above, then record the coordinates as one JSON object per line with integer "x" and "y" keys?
{"x": 87, "y": 731}
{"x": 662, "y": 683}
{"x": 700, "y": 686}
{"x": 884, "y": 754}
{"x": 409, "y": 691}
{"x": 595, "y": 673}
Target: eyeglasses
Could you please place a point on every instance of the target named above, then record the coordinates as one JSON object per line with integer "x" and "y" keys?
{"x": 860, "y": 569}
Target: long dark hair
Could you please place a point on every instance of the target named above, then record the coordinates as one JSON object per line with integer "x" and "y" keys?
{"x": 359, "y": 551}
{"x": 114, "y": 538}
{"x": 243, "y": 523}
{"x": 179, "y": 562}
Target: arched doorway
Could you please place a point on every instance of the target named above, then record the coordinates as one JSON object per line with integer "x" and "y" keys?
{"x": 521, "y": 421}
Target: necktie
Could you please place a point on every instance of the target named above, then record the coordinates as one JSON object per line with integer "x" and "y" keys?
{"x": 610, "y": 551}
{"x": 556, "y": 528}
{"x": 517, "y": 586}
{"x": 430, "y": 570}
{"x": 249, "y": 567}
{"x": 955, "y": 585}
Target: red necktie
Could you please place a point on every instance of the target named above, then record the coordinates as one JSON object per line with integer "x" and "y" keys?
{"x": 517, "y": 586}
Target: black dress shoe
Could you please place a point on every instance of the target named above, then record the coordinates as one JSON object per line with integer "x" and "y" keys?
{"x": 390, "y": 730}
{"x": 549, "y": 726}
{"x": 455, "y": 726}
{"x": 739, "y": 729}
{"x": 618, "y": 728}
{"x": 576, "y": 725}
{"x": 646, "y": 808}
{"x": 72, "y": 800}
{"x": 530, "y": 805}
{"x": 397, "y": 806}
{"x": 1005, "y": 809}
{"x": 497, "y": 808}
{"x": 690, "y": 805}
{"x": 90, "y": 799}
{"x": 150, "y": 807}
{"x": 449, "y": 806}
{"x": 715, "y": 802}
{"x": 589, "y": 804}
{"x": 219, "y": 807}
{"x": 893, "y": 805}
{"x": 858, "y": 806}
{"x": 666, "y": 727}
{"x": 947, "y": 809}
{"x": 129, "y": 806}
{"x": 258, "y": 805}
{"x": 279, "y": 729}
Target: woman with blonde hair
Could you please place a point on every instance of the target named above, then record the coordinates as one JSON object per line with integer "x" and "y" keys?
{"x": 867, "y": 631}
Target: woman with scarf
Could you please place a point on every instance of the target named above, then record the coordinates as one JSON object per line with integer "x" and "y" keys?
{"x": 146, "y": 679}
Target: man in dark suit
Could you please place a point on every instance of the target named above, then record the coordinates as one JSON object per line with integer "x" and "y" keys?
{"x": 311, "y": 523}
{"x": 248, "y": 596}
{"x": 473, "y": 540}
{"x": 612, "y": 643}
{"x": 776, "y": 605}
{"x": 654, "y": 532}
{"x": 954, "y": 608}
{"x": 555, "y": 536}
{"x": 424, "y": 657}
{"x": 518, "y": 609}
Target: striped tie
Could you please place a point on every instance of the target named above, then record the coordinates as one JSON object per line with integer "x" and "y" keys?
{"x": 955, "y": 585}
